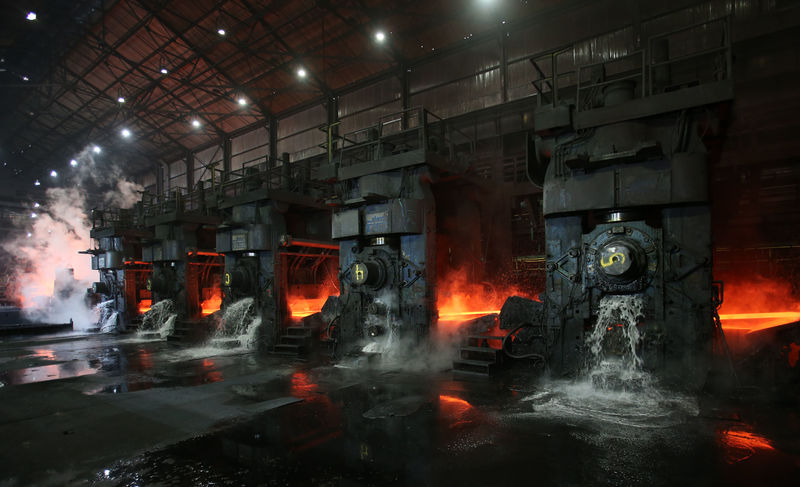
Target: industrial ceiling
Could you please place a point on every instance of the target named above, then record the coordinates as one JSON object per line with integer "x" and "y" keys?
{"x": 149, "y": 80}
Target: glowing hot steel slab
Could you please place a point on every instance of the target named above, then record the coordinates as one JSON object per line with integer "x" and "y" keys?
{"x": 757, "y": 321}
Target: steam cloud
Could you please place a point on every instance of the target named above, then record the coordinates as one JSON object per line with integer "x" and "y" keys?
{"x": 51, "y": 276}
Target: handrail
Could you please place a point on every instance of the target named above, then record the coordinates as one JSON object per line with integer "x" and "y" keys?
{"x": 645, "y": 66}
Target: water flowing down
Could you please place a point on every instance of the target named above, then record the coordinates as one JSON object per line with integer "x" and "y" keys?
{"x": 613, "y": 389}
{"x": 160, "y": 319}
{"x": 613, "y": 360}
{"x": 107, "y": 316}
{"x": 239, "y": 324}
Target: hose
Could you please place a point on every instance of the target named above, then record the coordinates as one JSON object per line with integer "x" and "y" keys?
{"x": 506, "y": 349}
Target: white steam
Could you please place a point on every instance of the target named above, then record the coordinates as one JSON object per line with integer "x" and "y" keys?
{"x": 126, "y": 195}
{"x": 49, "y": 251}
{"x": 57, "y": 234}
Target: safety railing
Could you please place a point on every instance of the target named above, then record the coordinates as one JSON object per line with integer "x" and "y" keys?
{"x": 296, "y": 177}
{"x": 549, "y": 84}
{"x": 690, "y": 55}
{"x": 408, "y": 130}
{"x": 633, "y": 69}
{"x": 719, "y": 58}
{"x": 115, "y": 216}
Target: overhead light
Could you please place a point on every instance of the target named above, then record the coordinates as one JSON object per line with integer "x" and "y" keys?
{"x": 121, "y": 99}
{"x": 31, "y": 16}
{"x": 33, "y": 215}
{"x": 25, "y": 78}
{"x": 301, "y": 72}
{"x": 221, "y": 31}
{"x": 29, "y": 235}
{"x": 242, "y": 101}
{"x": 380, "y": 36}
{"x": 37, "y": 183}
{"x": 164, "y": 71}
{"x": 125, "y": 133}
{"x": 53, "y": 173}
{"x": 96, "y": 149}
{"x": 73, "y": 163}
{"x": 36, "y": 204}
{"x": 195, "y": 122}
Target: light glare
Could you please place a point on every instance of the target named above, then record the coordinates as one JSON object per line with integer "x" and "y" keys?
{"x": 121, "y": 99}
{"x": 37, "y": 183}
{"x": 33, "y": 215}
{"x": 242, "y": 101}
{"x": 53, "y": 173}
{"x": 125, "y": 133}
{"x": 301, "y": 73}
{"x": 164, "y": 71}
{"x": 380, "y": 36}
{"x": 195, "y": 123}
{"x": 73, "y": 163}
{"x": 31, "y": 15}
{"x": 96, "y": 149}
{"x": 221, "y": 31}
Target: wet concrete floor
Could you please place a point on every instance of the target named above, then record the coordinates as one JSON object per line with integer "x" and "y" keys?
{"x": 106, "y": 410}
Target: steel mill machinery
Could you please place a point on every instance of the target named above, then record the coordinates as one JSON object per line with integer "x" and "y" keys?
{"x": 187, "y": 269}
{"x": 385, "y": 222}
{"x": 116, "y": 252}
{"x": 276, "y": 240}
{"x": 619, "y": 149}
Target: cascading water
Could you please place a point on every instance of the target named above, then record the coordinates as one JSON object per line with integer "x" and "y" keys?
{"x": 239, "y": 326}
{"x": 381, "y": 321}
{"x": 613, "y": 361}
{"x": 107, "y": 316}
{"x": 159, "y": 319}
{"x": 614, "y": 389}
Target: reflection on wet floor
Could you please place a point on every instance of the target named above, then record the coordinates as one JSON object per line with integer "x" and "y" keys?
{"x": 378, "y": 427}
{"x": 396, "y": 429}
{"x": 121, "y": 365}
{"x": 43, "y": 373}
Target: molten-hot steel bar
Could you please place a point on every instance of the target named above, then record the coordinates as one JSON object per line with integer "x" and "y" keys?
{"x": 144, "y": 306}
{"x": 211, "y": 305}
{"x": 452, "y": 315}
{"x": 790, "y": 315}
{"x": 300, "y": 308}
{"x": 757, "y": 321}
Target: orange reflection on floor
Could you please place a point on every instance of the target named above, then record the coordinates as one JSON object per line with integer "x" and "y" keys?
{"x": 741, "y": 444}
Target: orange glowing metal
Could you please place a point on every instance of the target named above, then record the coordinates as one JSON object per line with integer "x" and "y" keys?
{"x": 758, "y": 303}
{"x": 457, "y": 314}
{"x": 310, "y": 300}
{"x": 211, "y": 304}
{"x": 789, "y": 315}
{"x": 144, "y": 306}
{"x": 460, "y": 299}
{"x": 301, "y": 307}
